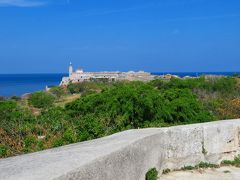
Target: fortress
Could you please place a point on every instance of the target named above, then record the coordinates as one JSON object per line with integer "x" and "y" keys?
{"x": 80, "y": 76}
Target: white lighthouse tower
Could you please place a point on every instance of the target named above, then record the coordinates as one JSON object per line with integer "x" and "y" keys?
{"x": 70, "y": 69}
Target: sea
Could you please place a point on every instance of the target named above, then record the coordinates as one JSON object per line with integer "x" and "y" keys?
{"x": 20, "y": 84}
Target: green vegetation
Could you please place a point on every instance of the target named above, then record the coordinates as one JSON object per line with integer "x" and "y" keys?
{"x": 3, "y": 150}
{"x": 151, "y": 174}
{"x": 91, "y": 110}
{"x": 206, "y": 165}
{"x": 166, "y": 171}
{"x": 41, "y": 99}
{"x": 201, "y": 165}
{"x": 86, "y": 88}
{"x": 57, "y": 91}
{"x": 226, "y": 171}
{"x": 235, "y": 162}
{"x": 187, "y": 168}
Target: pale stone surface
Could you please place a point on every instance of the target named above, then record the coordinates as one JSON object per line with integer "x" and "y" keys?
{"x": 128, "y": 155}
{"x": 223, "y": 173}
{"x": 80, "y": 76}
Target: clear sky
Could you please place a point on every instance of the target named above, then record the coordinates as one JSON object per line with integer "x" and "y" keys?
{"x": 43, "y": 36}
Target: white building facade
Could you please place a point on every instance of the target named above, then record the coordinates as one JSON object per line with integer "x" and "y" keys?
{"x": 80, "y": 76}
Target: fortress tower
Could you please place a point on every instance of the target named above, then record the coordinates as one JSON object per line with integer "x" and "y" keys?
{"x": 70, "y": 69}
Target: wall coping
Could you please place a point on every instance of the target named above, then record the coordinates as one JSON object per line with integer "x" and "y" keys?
{"x": 110, "y": 156}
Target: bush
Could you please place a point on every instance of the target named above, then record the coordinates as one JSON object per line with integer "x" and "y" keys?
{"x": 3, "y": 150}
{"x": 76, "y": 88}
{"x": 57, "y": 91}
{"x": 106, "y": 108}
{"x": 133, "y": 104}
{"x": 42, "y": 99}
{"x": 183, "y": 107}
{"x": 29, "y": 143}
{"x": 166, "y": 171}
{"x": 151, "y": 174}
{"x": 222, "y": 85}
{"x": 89, "y": 127}
{"x": 54, "y": 120}
{"x": 89, "y": 87}
{"x": 206, "y": 165}
{"x": 69, "y": 136}
{"x": 235, "y": 162}
{"x": 58, "y": 142}
{"x": 11, "y": 116}
{"x": 2, "y": 98}
{"x": 16, "y": 98}
{"x": 187, "y": 168}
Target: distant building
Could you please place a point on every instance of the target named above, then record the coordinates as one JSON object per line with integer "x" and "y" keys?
{"x": 80, "y": 76}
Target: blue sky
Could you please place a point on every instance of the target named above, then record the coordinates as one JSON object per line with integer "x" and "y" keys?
{"x": 43, "y": 36}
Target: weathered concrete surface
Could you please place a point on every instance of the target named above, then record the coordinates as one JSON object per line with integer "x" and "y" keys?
{"x": 128, "y": 155}
{"x": 223, "y": 173}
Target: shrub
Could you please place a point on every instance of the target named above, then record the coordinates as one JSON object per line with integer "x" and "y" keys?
{"x": 69, "y": 136}
{"x": 54, "y": 120}
{"x": 166, "y": 171}
{"x": 3, "y": 150}
{"x": 223, "y": 85}
{"x": 11, "y": 116}
{"x": 58, "y": 142}
{"x": 2, "y": 98}
{"x": 106, "y": 108}
{"x": 235, "y": 162}
{"x": 183, "y": 107}
{"x": 186, "y": 168}
{"x": 210, "y": 84}
{"x": 42, "y": 99}
{"x": 229, "y": 109}
{"x": 88, "y": 87}
{"x": 135, "y": 103}
{"x": 57, "y": 91}
{"x": 89, "y": 127}
{"x": 29, "y": 141}
{"x": 151, "y": 174}
{"x": 16, "y": 98}
{"x": 206, "y": 165}
{"x": 76, "y": 88}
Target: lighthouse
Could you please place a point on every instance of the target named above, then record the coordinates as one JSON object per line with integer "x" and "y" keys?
{"x": 70, "y": 69}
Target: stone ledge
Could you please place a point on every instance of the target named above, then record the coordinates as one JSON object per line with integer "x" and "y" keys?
{"x": 128, "y": 155}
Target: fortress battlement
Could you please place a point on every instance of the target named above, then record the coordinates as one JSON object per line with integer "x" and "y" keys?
{"x": 79, "y": 76}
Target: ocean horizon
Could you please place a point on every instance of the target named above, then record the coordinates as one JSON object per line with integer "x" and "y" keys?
{"x": 19, "y": 84}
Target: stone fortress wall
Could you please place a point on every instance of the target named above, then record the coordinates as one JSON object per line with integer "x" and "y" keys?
{"x": 130, "y": 154}
{"x": 79, "y": 76}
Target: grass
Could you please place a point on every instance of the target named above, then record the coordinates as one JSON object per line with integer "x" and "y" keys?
{"x": 235, "y": 162}
{"x": 151, "y": 174}
{"x": 205, "y": 165}
{"x": 187, "y": 168}
{"x": 66, "y": 99}
{"x": 201, "y": 165}
{"x": 226, "y": 171}
{"x": 166, "y": 171}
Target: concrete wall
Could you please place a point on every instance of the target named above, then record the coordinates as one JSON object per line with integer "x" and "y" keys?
{"x": 128, "y": 155}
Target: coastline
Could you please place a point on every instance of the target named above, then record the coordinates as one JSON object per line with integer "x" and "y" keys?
{"x": 20, "y": 84}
